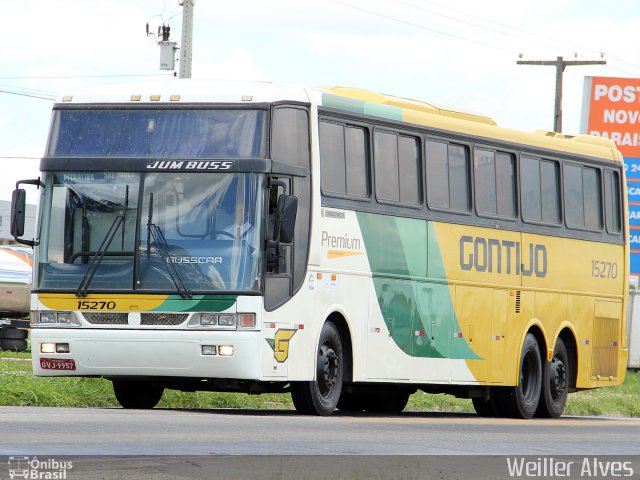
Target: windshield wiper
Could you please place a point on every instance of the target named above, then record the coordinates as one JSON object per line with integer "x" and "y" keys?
{"x": 161, "y": 243}
{"x": 102, "y": 250}
{"x": 97, "y": 259}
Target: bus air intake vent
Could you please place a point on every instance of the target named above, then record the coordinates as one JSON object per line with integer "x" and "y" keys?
{"x": 517, "y": 301}
{"x": 106, "y": 318}
{"x": 163, "y": 318}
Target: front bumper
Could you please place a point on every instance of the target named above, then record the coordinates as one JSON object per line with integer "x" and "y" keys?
{"x": 170, "y": 353}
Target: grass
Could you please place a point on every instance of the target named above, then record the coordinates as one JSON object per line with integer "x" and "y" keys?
{"x": 20, "y": 388}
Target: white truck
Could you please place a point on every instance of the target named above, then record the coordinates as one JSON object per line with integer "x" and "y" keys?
{"x": 633, "y": 329}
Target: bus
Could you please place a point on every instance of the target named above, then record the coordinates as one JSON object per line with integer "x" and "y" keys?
{"x": 345, "y": 246}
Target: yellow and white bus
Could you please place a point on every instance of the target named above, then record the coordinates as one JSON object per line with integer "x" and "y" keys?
{"x": 343, "y": 245}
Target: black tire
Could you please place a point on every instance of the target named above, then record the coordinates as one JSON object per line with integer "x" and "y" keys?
{"x": 394, "y": 402}
{"x": 555, "y": 383}
{"x": 137, "y": 395}
{"x": 522, "y": 400}
{"x": 13, "y": 345}
{"x": 13, "y": 333}
{"x": 320, "y": 397}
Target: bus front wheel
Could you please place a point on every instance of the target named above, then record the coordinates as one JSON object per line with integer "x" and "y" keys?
{"x": 320, "y": 397}
{"x": 137, "y": 395}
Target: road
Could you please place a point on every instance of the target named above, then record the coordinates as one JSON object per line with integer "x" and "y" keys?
{"x": 177, "y": 434}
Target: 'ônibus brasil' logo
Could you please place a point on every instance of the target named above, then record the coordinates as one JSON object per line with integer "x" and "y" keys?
{"x": 280, "y": 343}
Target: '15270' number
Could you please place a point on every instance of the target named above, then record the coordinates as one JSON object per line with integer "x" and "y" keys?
{"x": 604, "y": 269}
{"x": 86, "y": 305}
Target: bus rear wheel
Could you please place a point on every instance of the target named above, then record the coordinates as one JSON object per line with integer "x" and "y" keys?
{"x": 320, "y": 397}
{"x": 522, "y": 400}
{"x": 137, "y": 395}
{"x": 555, "y": 383}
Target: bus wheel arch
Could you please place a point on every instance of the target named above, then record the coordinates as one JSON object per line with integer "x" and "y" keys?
{"x": 347, "y": 347}
{"x": 321, "y": 396}
{"x": 569, "y": 338}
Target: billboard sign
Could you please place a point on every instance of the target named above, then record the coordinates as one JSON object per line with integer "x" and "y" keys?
{"x": 611, "y": 109}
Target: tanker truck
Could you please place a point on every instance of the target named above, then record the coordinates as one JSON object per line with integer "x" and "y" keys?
{"x": 15, "y": 296}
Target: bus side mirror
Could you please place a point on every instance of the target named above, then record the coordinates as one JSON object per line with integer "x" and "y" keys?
{"x": 287, "y": 209}
{"x": 18, "y": 211}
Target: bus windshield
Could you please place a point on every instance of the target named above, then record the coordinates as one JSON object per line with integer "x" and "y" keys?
{"x": 161, "y": 232}
{"x": 159, "y": 133}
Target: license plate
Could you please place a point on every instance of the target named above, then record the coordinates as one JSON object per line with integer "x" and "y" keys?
{"x": 57, "y": 364}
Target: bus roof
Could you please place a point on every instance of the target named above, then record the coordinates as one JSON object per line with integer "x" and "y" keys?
{"x": 426, "y": 114}
{"x": 347, "y": 99}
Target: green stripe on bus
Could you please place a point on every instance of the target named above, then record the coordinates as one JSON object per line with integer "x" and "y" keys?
{"x": 384, "y": 111}
{"x": 198, "y": 303}
{"x": 360, "y": 106}
{"x": 419, "y": 314}
{"x": 342, "y": 103}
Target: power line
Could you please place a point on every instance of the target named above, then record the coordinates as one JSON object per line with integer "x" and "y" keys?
{"x": 476, "y": 25}
{"x": 521, "y": 30}
{"x": 66, "y": 77}
{"x": 30, "y": 95}
{"x": 422, "y": 27}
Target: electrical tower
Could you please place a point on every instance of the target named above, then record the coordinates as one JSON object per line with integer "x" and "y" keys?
{"x": 560, "y": 65}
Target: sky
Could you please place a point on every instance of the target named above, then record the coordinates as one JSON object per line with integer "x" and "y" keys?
{"x": 459, "y": 53}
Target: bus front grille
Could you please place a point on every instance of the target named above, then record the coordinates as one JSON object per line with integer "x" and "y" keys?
{"x": 162, "y": 318}
{"x": 106, "y": 318}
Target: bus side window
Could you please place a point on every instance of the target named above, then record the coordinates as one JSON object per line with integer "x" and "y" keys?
{"x": 612, "y": 201}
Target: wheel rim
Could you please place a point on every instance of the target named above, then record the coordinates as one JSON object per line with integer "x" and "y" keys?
{"x": 557, "y": 378}
{"x": 328, "y": 370}
{"x": 529, "y": 377}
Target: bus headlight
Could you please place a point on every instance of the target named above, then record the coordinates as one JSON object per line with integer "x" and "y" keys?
{"x": 48, "y": 317}
{"x": 227, "y": 321}
{"x": 49, "y": 347}
{"x": 223, "y": 321}
{"x": 225, "y": 350}
{"x": 208, "y": 319}
{"x": 51, "y": 318}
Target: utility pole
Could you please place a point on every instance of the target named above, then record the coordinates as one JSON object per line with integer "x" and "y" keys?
{"x": 560, "y": 65}
{"x": 187, "y": 38}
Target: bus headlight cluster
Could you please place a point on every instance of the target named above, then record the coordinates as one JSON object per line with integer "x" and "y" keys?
{"x": 224, "y": 321}
{"x": 221, "y": 350}
{"x": 49, "y": 347}
{"x": 51, "y": 318}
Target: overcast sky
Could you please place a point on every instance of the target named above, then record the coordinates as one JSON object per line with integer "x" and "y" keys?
{"x": 460, "y": 53}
